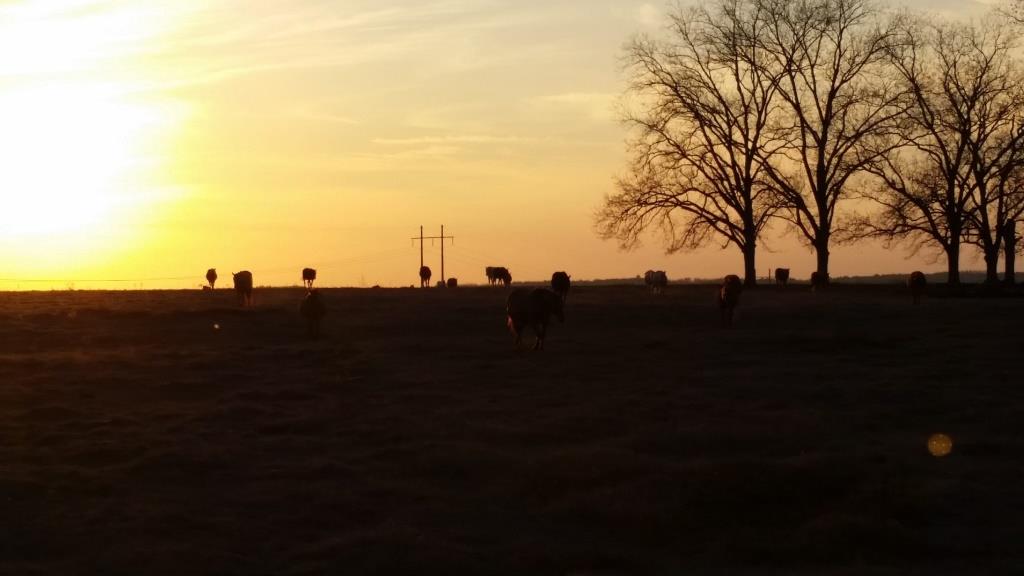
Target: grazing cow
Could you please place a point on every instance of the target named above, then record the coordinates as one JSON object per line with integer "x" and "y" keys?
{"x": 308, "y": 277}
{"x": 211, "y": 277}
{"x": 503, "y": 275}
{"x": 560, "y": 284}
{"x": 243, "y": 287}
{"x": 918, "y": 285}
{"x": 782, "y": 276}
{"x": 729, "y": 297}
{"x": 818, "y": 280}
{"x": 656, "y": 280}
{"x": 533, "y": 309}
{"x": 453, "y": 282}
{"x": 424, "y": 276}
{"x": 313, "y": 309}
{"x": 492, "y": 275}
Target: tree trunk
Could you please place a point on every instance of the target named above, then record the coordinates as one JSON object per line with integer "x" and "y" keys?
{"x": 953, "y": 263}
{"x": 749, "y": 272}
{"x": 991, "y": 266}
{"x": 1010, "y": 251}
{"x": 821, "y": 247}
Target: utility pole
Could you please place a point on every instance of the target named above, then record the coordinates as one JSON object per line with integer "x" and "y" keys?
{"x": 442, "y": 238}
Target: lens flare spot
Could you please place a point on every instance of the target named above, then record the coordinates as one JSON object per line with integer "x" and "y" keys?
{"x": 216, "y": 326}
{"x": 940, "y": 445}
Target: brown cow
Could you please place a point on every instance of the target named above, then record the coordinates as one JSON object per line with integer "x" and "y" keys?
{"x": 308, "y": 277}
{"x": 424, "y": 276}
{"x": 533, "y": 309}
{"x": 918, "y": 285}
{"x": 243, "y": 287}
{"x": 313, "y": 309}
{"x": 729, "y": 297}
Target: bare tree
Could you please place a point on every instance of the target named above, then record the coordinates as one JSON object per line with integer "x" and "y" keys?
{"x": 996, "y": 139}
{"x": 841, "y": 99}
{"x": 705, "y": 98}
{"x": 925, "y": 187}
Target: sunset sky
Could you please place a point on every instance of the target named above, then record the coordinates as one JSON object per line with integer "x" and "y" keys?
{"x": 148, "y": 141}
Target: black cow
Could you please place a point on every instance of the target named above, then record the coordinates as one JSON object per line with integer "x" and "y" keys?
{"x": 560, "y": 283}
{"x": 424, "y": 276}
{"x": 211, "y": 277}
{"x": 313, "y": 309}
{"x": 243, "y": 287}
{"x": 656, "y": 280}
{"x": 782, "y": 276}
{"x": 308, "y": 277}
{"x": 729, "y": 297}
{"x": 818, "y": 280}
{"x": 918, "y": 285}
{"x": 533, "y": 309}
{"x": 503, "y": 275}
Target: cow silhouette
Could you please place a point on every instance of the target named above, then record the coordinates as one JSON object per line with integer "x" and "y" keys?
{"x": 560, "y": 282}
{"x": 918, "y": 285}
{"x": 729, "y": 297}
{"x": 211, "y": 278}
{"x": 818, "y": 280}
{"x": 243, "y": 287}
{"x": 308, "y": 277}
{"x": 656, "y": 280}
{"x": 313, "y": 309}
{"x": 424, "y": 276}
{"x": 782, "y": 276}
{"x": 533, "y": 309}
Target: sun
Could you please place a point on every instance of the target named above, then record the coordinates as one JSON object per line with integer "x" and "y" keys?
{"x": 70, "y": 156}
{"x": 82, "y": 138}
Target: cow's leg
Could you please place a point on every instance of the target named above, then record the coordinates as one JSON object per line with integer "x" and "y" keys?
{"x": 517, "y": 331}
{"x": 541, "y": 330}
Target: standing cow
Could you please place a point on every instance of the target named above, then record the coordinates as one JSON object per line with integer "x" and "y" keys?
{"x": 818, "y": 280}
{"x": 533, "y": 309}
{"x": 729, "y": 297}
{"x": 313, "y": 309}
{"x": 424, "y": 276}
{"x": 503, "y": 275}
{"x": 782, "y": 276}
{"x": 918, "y": 285}
{"x": 211, "y": 278}
{"x": 560, "y": 283}
{"x": 308, "y": 277}
{"x": 492, "y": 275}
{"x": 656, "y": 280}
{"x": 243, "y": 287}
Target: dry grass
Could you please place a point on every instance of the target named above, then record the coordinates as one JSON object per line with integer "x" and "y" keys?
{"x": 648, "y": 439}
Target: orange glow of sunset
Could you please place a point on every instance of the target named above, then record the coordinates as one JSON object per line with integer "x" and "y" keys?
{"x": 145, "y": 142}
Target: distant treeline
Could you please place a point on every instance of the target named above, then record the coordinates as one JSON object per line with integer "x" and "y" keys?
{"x": 967, "y": 277}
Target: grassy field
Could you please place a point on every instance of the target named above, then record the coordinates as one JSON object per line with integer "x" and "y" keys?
{"x": 166, "y": 433}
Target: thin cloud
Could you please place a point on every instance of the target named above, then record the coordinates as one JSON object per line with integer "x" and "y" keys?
{"x": 460, "y": 139}
{"x": 597, "y": 105}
